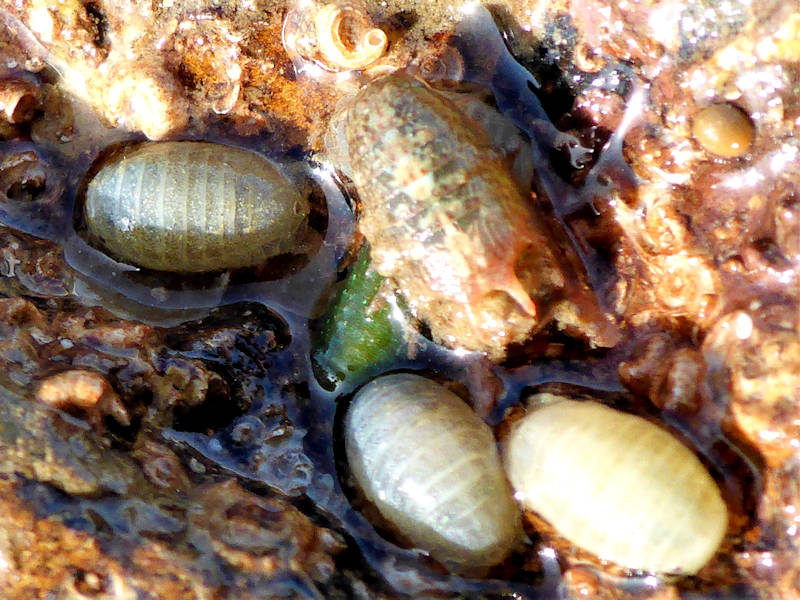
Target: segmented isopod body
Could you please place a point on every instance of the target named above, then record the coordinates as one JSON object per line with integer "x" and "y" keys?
{"x": 194, "y": 207}
{"x": 445, "y": 219}
{"x": 431, "y": 467}
{"x": 617, "y": 485}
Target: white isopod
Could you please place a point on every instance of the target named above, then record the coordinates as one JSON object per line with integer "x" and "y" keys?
{"x": 431, "y": 467}
{"x": 617, "y": 485}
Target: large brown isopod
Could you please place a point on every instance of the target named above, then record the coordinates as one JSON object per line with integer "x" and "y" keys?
{"x": 431, "y": 467}
{"x": 617, "y": 485}
{"x": 193, "y": 207}
{"x": 445, "y": 218}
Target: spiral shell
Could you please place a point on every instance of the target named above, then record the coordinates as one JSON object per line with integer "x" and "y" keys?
{"x": 445, "y": 218}
{"x": 431, "y": 467}
{"x": 617, "y": 486}
{"x": 193, "y": 207}
{"x": 338, "y": 36}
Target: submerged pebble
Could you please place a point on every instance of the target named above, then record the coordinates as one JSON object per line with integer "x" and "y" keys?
{"x": 193, "y": 207}
{"x": 724, "y": 130}
{"x": 431, "y": 467}
{"x": 617, "y": 486}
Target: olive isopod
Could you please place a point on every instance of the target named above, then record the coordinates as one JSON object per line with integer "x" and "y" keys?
{"x": 431, "y": 467}
{"x": 193, "y": 207}
{"x": 616, "y": 485}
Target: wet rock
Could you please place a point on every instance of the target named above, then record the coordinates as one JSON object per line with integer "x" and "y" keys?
{"x": 695, "y": 255}
{"x": 161, "y": 466}
{"x": 670, "y": 376}
{"x": 264, "y": 535}
{"x": 762, "y": 362}
{"x": 41, "y": 444}
{"x": 51, "y": 559}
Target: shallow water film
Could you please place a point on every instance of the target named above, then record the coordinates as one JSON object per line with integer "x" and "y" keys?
{"x": 475, "y": 217}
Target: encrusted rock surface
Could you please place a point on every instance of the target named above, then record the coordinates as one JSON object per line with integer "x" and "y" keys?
{"x": 188, "y": 454}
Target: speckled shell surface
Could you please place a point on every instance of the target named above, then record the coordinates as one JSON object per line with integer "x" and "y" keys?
{"x": 193, "y": 206}
{"x": 444, "y": 216}
{"x": 617, "y": 486}
{"x": 431, "y": 467}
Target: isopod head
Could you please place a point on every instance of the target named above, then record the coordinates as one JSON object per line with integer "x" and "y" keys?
{"x": 193, "y": 207}
{"x": 431, "y": 467}
{"x": 616, "y": 485}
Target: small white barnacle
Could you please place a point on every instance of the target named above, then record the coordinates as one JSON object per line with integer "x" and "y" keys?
{"x": 430, "y": 465}
{"x": 338, "y": 37}
{"x": 616, "y": 485}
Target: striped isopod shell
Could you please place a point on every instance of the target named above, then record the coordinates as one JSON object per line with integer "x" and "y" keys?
{"x": 616, "y": 485}
{"x": 431, "y": 467}
{"x": 194, "y": 207}
{"x": 445, "y": 218}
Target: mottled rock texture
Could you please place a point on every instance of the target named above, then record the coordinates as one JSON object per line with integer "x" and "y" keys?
{"x": 203, "y": 464}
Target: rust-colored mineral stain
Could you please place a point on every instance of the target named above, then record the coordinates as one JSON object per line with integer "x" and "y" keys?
{"x": 724, "y": 130}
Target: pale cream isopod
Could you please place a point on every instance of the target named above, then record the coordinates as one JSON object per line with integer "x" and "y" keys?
{"x": 616, "y": 485}
{"x": 431, "y": 467}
